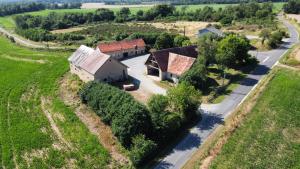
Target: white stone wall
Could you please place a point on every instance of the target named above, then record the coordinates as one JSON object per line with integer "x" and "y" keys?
{"x": 82, "y": 74}
{"x": 172, "y": 77}
{"x": 111, "y": 71}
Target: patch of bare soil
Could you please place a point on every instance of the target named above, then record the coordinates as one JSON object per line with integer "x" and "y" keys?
{"x": 69, "y": 30}
{"x": 190, "y": 28}
{"x": 297, "y": 55}
{"x": 294, "y": 16}
{"x": 141, "y": 95}
{"x": 23, "y": 59}
{"x": 69, "y": 87}
{"x": 103, "y": 5}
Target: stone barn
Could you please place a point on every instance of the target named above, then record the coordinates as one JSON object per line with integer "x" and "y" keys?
{"x": 90, "y": 64}
{"x": 170, "y": 64}
{"x": 123, "y": 49}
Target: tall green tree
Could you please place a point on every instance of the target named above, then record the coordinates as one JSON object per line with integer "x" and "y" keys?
{"x": 164, "y": 41}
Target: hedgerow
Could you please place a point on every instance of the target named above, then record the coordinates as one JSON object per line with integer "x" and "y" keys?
{"x": 117, "y": 108}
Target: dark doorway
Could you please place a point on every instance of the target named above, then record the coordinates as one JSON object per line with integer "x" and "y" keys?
{"x": 153, "y": 72}
{"x": 125, "y": 55}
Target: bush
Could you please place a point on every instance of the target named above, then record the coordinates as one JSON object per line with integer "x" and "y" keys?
{"x": 116, "y": 107}
{"x": 164, "y": 122}
{"x": 141, "y": 150}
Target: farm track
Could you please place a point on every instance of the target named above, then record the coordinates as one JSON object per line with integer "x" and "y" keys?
{"x": 45, "y": 103}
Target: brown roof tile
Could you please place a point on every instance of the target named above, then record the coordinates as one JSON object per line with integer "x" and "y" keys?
{"x": 121, "y": 45}
{"x": 178, "y": 64}
{"x": 162, "y": 56}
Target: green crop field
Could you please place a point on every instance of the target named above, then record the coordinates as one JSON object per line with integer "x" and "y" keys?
{"x": 270, "y": 135}
{"x": 36, "y": 129}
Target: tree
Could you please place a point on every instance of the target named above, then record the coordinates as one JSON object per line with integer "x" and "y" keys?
{"x": 293, "y": 7}
{"x": 233, "y": 51}
{"x": 164, "y": 122}
{"x": 275, "y": 39}
{"x": 164, "y": 41}
{"x": 179, "y": 40}
{"x": 123, "y": 15}
{"x": 141, "y": 149}
{"x": 207, "y": 47}
{"x": 196, "y": 76}
{"x": 264, "y": 35}
{"x": 184, "y": 99}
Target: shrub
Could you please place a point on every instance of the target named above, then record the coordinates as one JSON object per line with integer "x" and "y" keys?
{"x": 116, "y": 107}
{"x": 141, "y": 149}
{"x": 164, "y": 122}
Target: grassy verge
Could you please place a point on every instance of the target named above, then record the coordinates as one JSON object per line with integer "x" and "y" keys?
{"x": 33, "y": 135}
{"x": 255, "y": 131}
{"x": 273, "y": 126}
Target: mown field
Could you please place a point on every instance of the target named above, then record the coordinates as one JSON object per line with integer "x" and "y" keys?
{"x": 270, "y": 135}
{"x": 8, "y": 22}
{"x": 36, "y": 129}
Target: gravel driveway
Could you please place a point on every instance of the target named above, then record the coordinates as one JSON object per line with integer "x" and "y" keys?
{"x": 137, "y": 70}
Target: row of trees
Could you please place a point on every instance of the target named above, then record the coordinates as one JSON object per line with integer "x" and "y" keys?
{"x": 293, "y": 7}
{"x": 228, "y": 52}
{"x": 138, "y": 128}
{"x": 38, "y": 35}
{"x": 16, "y": 8}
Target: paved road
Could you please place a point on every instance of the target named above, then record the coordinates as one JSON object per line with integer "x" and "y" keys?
{"x": 137, "y": 70}
{"x": 215, "y": 114}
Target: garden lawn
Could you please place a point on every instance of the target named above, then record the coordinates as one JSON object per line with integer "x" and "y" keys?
{"x": 36, "y": 129}
{"x": 270, "y": 135}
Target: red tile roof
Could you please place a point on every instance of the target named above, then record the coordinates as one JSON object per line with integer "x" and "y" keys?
{"x": 178, "y": 64}
{"x": 121, "y": 45}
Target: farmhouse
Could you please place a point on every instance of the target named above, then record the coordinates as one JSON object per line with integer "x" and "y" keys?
{"x": 170, "y": 64}
{"x": 90, "y": 64}
{"x": 210, "y": 29}
{"x": 123, "y": 49}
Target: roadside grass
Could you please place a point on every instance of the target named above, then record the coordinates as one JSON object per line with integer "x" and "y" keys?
{"x": 269, "y": 136}
{"x": 289, "y": 58}
{"x": 218, "y": 92}
{"x": 28, "y": 139}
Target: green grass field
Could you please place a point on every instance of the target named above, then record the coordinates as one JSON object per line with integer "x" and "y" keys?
{"x": 8, "y": 21}
{"x": 28, "y": 139}
{"x": 270, "y": 135}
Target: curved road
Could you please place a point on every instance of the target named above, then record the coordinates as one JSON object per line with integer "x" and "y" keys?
{"x": 25, "y": 42}
{"x": 214, "y": 114}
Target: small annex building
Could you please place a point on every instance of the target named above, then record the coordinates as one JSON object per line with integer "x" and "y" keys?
{"x": 211, "y": 29}
{"x": 123, "y": 49}
{"x": 170, "y": 64}
{"x": 91, "y": 64}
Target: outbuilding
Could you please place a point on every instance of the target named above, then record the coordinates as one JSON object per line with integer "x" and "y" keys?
{"x": 170, "y": 64}
{"x": 90, "y": 64}
{"x": 123, "y": 49}
{"x": 210, "y": 29}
